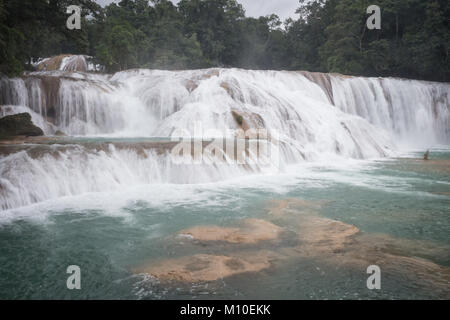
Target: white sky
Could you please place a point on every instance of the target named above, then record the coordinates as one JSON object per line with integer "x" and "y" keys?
{"x": 256, "y": 8}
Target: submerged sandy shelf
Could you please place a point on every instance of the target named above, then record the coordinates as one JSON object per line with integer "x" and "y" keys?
{"x": 250, "y": 231}
{"x": 256, "y": 245}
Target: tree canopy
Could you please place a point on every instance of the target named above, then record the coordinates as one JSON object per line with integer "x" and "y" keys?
{"x": 328, "y": 36}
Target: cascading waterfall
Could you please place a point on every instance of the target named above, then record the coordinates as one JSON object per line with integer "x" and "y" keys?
{"x": 310, "y": 116}
{"x": 58, "y": 171}
{"x": 90, "y": 104}
{"x": 415, "y": 112}
{"x": 74, "y": 63}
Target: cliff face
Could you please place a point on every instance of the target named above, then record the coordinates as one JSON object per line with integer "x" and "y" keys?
{"x": 18, "y": 125}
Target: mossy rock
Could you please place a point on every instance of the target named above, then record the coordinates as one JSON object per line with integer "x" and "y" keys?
{"x": 238, "y": 118}
{"x": 59, "y": 133}
{"x": 18, "y": 125}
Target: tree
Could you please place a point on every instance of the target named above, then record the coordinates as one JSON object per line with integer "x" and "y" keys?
{"x": 33, "y": 29}
{"x": 329, "y": 36}
{"x": 217, "y": 25}
{"x": 343, "y": 51}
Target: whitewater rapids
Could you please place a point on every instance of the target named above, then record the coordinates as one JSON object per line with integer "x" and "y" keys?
{"x": 314, "y": 117}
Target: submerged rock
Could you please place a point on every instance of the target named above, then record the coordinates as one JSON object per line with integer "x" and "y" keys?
{"x": 251, "y": 231}
{"x": 326, "y": 242}
{"x": 18, "y": 125}
{"x": 204, "y": 267}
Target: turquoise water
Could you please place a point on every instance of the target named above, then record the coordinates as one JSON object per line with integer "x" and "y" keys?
{"x": 109, "y": 235}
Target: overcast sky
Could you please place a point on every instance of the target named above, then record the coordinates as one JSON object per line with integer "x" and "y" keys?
{"x": 256, "y": 8}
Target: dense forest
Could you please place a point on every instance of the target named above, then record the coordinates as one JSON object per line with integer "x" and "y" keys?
{"x": 328, "y": 36}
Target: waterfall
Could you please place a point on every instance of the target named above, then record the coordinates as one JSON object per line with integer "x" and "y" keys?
{"x": 74, "y": 63}
{"x": 153, "y": 103}
{"x": 66, "y": 62}
{"x": 57, "y": 171}
{"x": 414, "y": 112}
{"x": 308, "y": 117}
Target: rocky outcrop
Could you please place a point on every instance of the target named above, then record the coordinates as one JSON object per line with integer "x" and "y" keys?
{"x": 59, "y": 133}
{"x": 51, "y": 64}
{"x": 64, "y": 62}
{"x": 18, "y": 125}
{"x": 323, "y": 80}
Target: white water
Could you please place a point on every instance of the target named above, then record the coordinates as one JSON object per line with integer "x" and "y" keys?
{"x": 363, "y": 118}
{"x": 416, "y": 113}
{"x": 70, "y": 63}
{"x": 71, "y": 170}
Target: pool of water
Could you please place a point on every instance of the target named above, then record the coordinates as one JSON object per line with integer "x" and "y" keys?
{"x": 401, "y": 207}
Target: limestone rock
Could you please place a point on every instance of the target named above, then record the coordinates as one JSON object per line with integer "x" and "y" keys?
{"x": 19, "y": 125}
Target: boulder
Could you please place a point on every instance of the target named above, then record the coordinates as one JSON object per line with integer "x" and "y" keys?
{"x": 18, "y": 125}
{"x": 59, "y": 133}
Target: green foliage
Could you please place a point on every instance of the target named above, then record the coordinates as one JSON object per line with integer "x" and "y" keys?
{"x": 136, "y": 34}
{"x": 30, "y": 29}
{"x": 328, "y": 36}
{"x": 217, "y": 26}
{"x": 413, "y": 41}
{"x": 117, "y": 50}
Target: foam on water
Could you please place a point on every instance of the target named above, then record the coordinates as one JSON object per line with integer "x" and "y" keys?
{"x": 114, "y": 199}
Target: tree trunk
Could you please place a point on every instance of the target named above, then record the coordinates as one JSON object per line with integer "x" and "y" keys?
{"x": 361, "y": 39}
{"x": 396, "y": 28}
